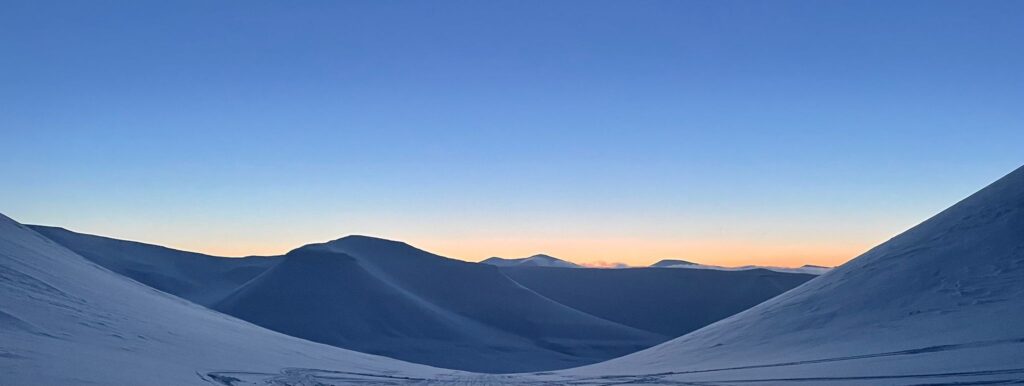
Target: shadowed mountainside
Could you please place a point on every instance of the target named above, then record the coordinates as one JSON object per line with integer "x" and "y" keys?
{"x": 386, "y": 297}
{"x": 201, "y": 278}
{"x": 669, "y": 302}
{"x": 946, "y": 296}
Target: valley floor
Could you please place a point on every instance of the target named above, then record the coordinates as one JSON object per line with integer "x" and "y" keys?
{"x": 918, "y": 366}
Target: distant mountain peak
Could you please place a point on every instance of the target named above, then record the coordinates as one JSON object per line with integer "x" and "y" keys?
{"x": 672, "y": 262}
{"x": 543, "y": 256}
{"x": 538, "y": 260}
{"x": 368, "y": 248}
{"x": 363, "y": 239}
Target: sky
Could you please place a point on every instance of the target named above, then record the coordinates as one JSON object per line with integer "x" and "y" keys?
{"x": 722, "y": 132}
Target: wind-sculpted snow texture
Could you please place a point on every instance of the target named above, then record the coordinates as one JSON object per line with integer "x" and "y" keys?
{"x": 388, "y": 298}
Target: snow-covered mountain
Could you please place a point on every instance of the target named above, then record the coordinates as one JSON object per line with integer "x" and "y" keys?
{"x": 808, "y": 268}
{"x": 378, "y": 296}
{"x": 67, "y": 321}
{"x": 540, "y": 260}
{"x": 389, "y": 298}
{"x": 201, "y": 278}
{"x": 670, "y": 302}
{"x": 671, "y": 263}
{"x": 941, "y": 303}
{"x": 673, "y": 302}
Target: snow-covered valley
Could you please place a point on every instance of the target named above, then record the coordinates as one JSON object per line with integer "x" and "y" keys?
{"x": 942, "y": 303}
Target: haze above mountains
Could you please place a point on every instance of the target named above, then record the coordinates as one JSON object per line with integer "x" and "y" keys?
{"x": 940, "y": 303}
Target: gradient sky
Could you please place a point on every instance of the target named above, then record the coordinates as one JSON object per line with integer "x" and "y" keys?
{"x": 724, "y": 132}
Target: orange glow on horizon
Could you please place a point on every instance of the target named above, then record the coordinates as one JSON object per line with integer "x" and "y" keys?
{"x": 606, "y": 251}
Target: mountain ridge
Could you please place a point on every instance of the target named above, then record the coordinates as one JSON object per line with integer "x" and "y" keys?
{"x": 538, "y": 260}
{"x": 952, "y": 281}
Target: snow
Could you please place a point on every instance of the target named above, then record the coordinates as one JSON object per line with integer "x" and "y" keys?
{"x": 808, "y": 268}
{"x": 539, "y": 260}
{"x": 671, "y": 263}
{"x": 65, "y": 321}
{"x": 670, "y": 302}
{"x": 389, "y": 298}
{"x": 946, "y": 296}
{"x": 377, "y": 296}
{"x": 941, "y": 303}
{"x": 201, "y": 278}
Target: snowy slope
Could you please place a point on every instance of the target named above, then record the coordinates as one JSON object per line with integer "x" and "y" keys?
{"x": 939, "y": 304}
{"x": 944, "y": 297}
{"x": 532, "y": 261}
{"x": 67, "y": 321}
{"x": 201, "y": 278}
{"x": 389, "y": 298}
{"x": 335, "y": 300}
{"x": 670, "y": 302}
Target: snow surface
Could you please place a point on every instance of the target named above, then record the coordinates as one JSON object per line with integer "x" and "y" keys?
{"x": 384, "y": 301}
{"x": 942, "y": 303}
{"x": 67, "y": 321}
{"x": 540, "y": 260}
{"x": 389, "y": 298}
{"x": 670, "y": 302}
{"x": 201, "y": 278}
{"x": 945, "y": 297}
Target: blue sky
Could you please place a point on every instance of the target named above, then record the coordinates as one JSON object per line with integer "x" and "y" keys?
{"x": 724, "y": 132}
